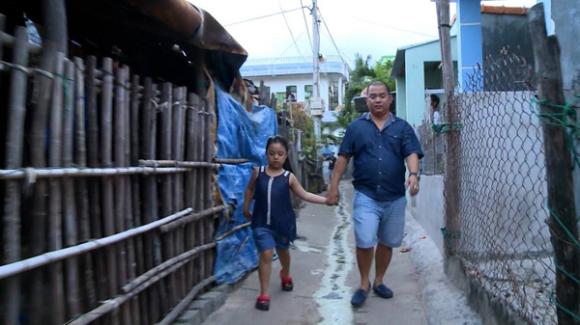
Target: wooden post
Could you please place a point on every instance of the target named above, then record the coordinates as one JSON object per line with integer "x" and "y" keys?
{"x": 559, "y": 168}
{"x": 451, "y": 184}
{"x": 70, "y": 213}
{"x": 12, "y": 195}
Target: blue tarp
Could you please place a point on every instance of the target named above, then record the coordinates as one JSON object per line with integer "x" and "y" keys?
{"x": 239, "y": 135}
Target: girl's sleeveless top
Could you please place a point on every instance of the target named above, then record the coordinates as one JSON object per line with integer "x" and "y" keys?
{"x": 273, "y": 206}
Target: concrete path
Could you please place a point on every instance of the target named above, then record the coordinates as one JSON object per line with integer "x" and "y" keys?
{"x": 325, "y": 275}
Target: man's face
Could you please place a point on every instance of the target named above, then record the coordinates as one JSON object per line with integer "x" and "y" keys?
{"x": 378, "y": 100}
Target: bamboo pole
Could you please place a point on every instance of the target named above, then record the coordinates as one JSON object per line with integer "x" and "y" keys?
{"x": 95, "y": 208}
{"x": 201, "y": 215}
{"x": 12, "y": 269}
{"x": 227, "y": 161}
{"x": 113, "y": 304}
{"x": 165, "y": 265}
{"x": 14, "y": 144}
{"x": 150, "y": 206}
{"x": 563, "y": 220}
{"x": 55, "y": 195}
{"x": 38, "y": 148}
{"x": 120, "y": 200}
{"x": 132, "y": 213}
{"x": 70, "y": 213}
{"x": 166, "y": 136}
{"x": 178, "y": 155}
{"x": 107, "y": 185}
{"x": 207, "y": 181}
{"x": 82, "y": 194}
{"x": 169, "y": 318}
{"x": 199, "y": 264}
{"x": 190, "y": 128}
{"x": 177, "y": 163}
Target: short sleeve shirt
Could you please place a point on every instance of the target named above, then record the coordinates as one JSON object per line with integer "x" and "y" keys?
{"x": 379, "y": 155}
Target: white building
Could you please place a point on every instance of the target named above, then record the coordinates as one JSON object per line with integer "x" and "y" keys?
{"x": 288, "y": 76}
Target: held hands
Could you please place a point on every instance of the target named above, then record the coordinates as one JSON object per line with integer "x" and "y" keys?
{"x": 332, "y": 196}
{"x": 247, "y": 214}
{"x": 412, "y": 184}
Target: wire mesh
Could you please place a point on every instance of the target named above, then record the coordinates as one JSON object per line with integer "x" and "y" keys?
{"x": 503, "y": 240}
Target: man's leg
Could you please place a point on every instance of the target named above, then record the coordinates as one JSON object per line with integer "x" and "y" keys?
{"x": 382, "y": 260}
{"x": 364, "y": 259}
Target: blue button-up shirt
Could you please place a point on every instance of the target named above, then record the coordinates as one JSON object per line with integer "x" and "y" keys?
{"x": 379, "y": 155}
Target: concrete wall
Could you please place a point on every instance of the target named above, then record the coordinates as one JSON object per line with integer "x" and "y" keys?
{"x": 427, "y": 207}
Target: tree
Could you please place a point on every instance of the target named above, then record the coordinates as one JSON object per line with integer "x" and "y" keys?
{"x": 383, "y": 68}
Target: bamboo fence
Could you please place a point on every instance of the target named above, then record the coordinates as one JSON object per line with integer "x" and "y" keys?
{"x": 106, "y": 179}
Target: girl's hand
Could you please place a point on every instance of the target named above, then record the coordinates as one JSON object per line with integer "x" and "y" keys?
{"x": 247, "y": 214}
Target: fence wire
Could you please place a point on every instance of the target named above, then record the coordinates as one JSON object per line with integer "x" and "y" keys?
{"x": 503, "y": 240}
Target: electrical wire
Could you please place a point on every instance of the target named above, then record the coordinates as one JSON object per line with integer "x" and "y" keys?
{"x": 339, "y": 52}
{"x": 306, "y": 24}
{"x": 263, "y": 16}
{"x": 392, "y": 27}
{"x": 289, "y": 29}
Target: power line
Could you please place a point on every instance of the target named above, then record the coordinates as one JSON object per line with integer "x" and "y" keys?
{"x": 392, "y": 27}
{"x": 289, "y": 29}
{"x": 264, "y": 16}
{"x": 306, "y": 24}
{"x": 338, "y": 51}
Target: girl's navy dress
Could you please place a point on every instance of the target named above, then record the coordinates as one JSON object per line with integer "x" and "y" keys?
{"x": 273, "y": 206}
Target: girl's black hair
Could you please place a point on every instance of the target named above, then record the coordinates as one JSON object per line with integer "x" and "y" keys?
{"x": 281, "y": 140}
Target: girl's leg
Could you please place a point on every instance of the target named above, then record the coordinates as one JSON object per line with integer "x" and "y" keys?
{"x": 284, "y": 255}
{"x": 264, "y": 270}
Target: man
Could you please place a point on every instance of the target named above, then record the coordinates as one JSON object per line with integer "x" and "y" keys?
{"x": 380, "y": 144}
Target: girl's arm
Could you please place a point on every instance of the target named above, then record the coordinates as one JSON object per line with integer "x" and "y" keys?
{"x": 306, "y": 196}
{"x": 250, "y": 193}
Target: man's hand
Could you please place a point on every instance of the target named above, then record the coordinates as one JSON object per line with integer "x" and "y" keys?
{"x": 247, "y": 214}
{"x": 332, "y": 196}
{"x": 413, "y": 184}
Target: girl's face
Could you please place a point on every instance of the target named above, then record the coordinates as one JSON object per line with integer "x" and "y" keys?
{"x": 276, "y": 155}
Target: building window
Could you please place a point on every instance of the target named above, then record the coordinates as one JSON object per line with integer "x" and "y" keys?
{"x": 307, "y": 92}
{"x": 333, "y": 95}
{"x": 291, "y": 93}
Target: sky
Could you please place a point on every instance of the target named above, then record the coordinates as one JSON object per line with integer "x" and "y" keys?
{"x": 367, "y": 27}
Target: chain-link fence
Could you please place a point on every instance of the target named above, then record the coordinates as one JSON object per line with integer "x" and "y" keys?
{"x": 502, "y": 237}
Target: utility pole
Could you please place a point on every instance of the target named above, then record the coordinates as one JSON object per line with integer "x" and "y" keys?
{"x": 451, "y": 171}
{"x": 315, "y": 101}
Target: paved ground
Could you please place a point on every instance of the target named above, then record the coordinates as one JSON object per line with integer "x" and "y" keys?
{"x": 324, "y": 272}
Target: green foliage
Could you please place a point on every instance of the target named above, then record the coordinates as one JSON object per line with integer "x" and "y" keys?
{"x": 362, "y": 74}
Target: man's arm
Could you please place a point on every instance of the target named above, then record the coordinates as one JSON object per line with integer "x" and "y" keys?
{"x": 413, "y": 179}
{"x": 338, "y": 171}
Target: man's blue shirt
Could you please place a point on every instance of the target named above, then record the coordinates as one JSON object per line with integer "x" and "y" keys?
{"x": 379, "y": 155}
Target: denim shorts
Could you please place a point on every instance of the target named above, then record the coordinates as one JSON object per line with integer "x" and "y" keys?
{"x": 266, "y": 239}
{"x": 374, "y": 220}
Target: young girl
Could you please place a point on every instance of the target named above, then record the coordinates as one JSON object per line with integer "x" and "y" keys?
{"x": 273, "y": 219}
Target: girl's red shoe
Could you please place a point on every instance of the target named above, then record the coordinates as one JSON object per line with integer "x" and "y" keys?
{"x": 263, "y": 302}
{"x": 287, "y": 284}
